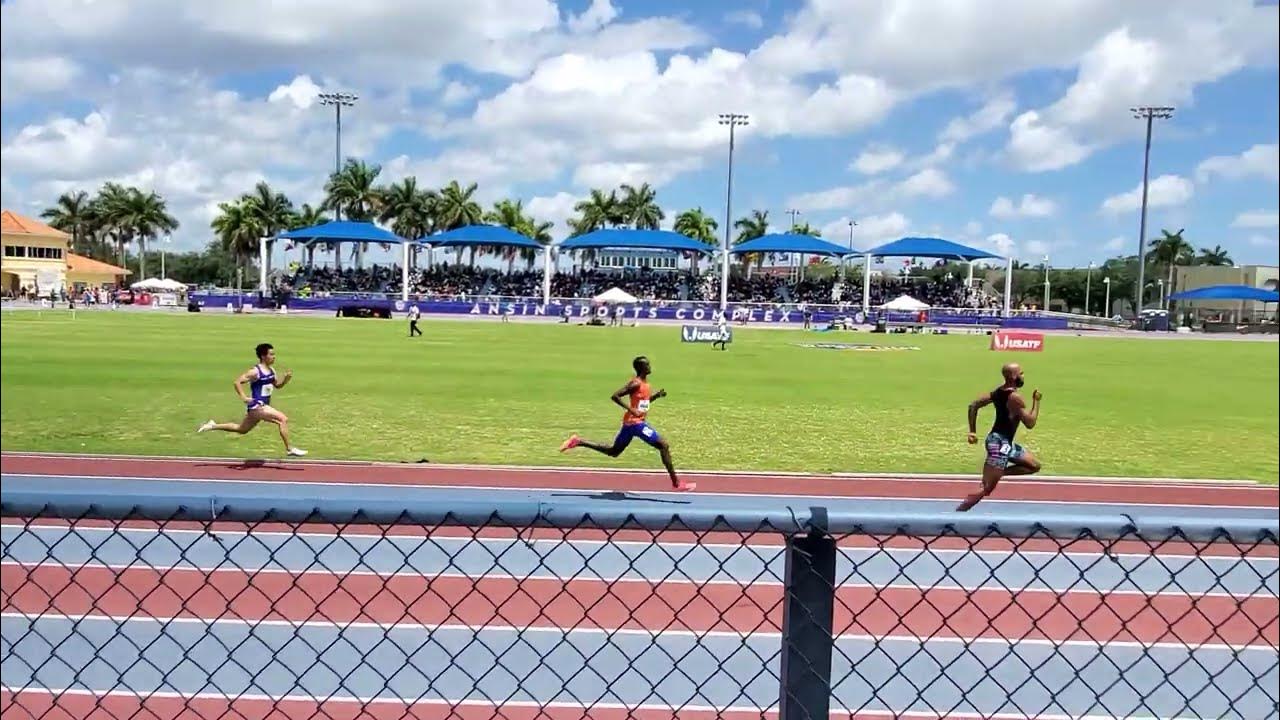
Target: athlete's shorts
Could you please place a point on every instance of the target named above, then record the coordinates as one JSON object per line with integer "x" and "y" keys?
{"x": 254, "y": 405}
{"x": 638, "y": 430}
{"x": 1001, "y": 451}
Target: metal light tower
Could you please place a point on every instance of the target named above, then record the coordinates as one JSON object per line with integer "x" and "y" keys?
{"x": 338, "y": 100}
{"x": 1088, "y": 280}
{"x": 733, "y": 120}
{"x": 1149, "y": 114}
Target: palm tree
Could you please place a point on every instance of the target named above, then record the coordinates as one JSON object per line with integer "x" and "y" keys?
{"x": 239, "y": 229}
{"x": 639, "y": 207}
{"x": 699, "y": 226}
{"x": 1216, "y": 256}
{"x": 352, "y": 192}
{"x": 305, "y": 217}
{"x": 596, "y": 212}
{"x": 140, "y": 217}
{"x": 456, "y": 208}
{"x": 540, "y": 232}
{"x": 71, "y": 214}
{"x": 508, "y": 214}
{"x": 104, "y": 210}
{"x": 273, "y": 210}
{"x": 749, "y": 228}
{"x": 1171, "y": 250}
{"x": 410, "y": 211}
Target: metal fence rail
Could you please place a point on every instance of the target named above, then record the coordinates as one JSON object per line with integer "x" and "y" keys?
{"x": 174, "y": 606}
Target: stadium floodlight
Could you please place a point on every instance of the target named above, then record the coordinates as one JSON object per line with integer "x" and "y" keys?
{"x": 733, "y": 120}
{"x": 338, "y": 100}
{"x": 1149, "y": 113}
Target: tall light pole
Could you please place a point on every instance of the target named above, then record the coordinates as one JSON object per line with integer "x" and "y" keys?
{"x": 844, "y": 264}
{"x": 1106, "y": 311}
{"x": 1088, "y": 280}
{"x": 1046, "y": 282}
{"x": 338, "y": 100}
{"x": 793, "y": 213}
{"x": 733, "y": 120}
{"x": 1148, "y": 113}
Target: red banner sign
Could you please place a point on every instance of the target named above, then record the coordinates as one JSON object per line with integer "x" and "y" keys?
{"x": 1012, "y": 340}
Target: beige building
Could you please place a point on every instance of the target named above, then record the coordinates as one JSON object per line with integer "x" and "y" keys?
{"x": 1198, "y": 276}
{"x": 35, "y": 255}
{"x": 85, "y": 272}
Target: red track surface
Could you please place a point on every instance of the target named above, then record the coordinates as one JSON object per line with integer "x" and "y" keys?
{"x": 824, "y": 486}
{"x": 636, "y": 604}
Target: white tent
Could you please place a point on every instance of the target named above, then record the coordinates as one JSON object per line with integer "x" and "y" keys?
{"x": 616, "y": 295}
{"x": 158, "y": 285}
{"x": 905, "y": 303}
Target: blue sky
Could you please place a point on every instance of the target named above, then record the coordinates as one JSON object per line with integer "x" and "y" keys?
{"x": 997, "y": 122}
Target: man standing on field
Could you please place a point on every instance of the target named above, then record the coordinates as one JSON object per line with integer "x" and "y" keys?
{"x": 1004, "y": 456}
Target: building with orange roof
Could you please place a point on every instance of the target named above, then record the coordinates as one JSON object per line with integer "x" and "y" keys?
{"x": 35, "y": 255}
{"x": 85, "y": 272}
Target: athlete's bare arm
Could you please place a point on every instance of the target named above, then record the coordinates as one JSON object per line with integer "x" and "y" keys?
{"x": 625, "y": 391}
{"x": 658, "y": 395}
{"x": 1018, "y": 409}
{"x": 982, "y": 401}
{"x": 281, "y": 382}
{"x": 246, "y": 377}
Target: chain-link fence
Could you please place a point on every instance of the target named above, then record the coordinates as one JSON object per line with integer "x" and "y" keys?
{"x": 150, "y": 610}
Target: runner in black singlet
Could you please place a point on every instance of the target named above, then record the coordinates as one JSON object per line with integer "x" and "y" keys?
{"x": 1004, "y": 456}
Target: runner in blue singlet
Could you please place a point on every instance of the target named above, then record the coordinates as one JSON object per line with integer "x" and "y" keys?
{"x": 262, "y": 381}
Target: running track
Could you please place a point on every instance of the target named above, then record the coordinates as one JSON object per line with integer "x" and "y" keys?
{"x": 381, "y": 623}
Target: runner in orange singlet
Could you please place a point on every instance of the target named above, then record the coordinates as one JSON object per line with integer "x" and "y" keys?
{"x": 635, "y": 423}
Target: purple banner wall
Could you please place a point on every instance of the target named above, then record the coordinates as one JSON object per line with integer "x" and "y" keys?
{"x": 687, "y": 312}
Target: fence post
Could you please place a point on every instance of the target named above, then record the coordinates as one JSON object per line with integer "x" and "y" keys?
{"x": 810, "y": 579}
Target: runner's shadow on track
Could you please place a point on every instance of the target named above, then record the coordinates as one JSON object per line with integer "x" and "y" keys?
{"x": 617, "y": 495}
{"x": 251, "y": 464}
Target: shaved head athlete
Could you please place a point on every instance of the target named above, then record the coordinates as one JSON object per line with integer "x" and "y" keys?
{"x": 1004, "y": 456}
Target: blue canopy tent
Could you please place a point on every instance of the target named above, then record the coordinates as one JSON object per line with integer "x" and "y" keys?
{"x": 1228, "y": 292}
{"x": 791, "y": 243}
{"x": 497, "y": 236}
{"x": 342, "y": 231}
{"x": 929, "y": 247}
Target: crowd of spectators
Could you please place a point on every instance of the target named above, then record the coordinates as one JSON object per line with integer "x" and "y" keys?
{"x": 445, "y": 281}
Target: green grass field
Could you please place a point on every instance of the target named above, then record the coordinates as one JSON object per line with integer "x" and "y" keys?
{"x": 483, "y": 392}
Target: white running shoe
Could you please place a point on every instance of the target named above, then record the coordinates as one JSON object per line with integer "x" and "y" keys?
{"x": 297, "y": 451}
{"x": 207, "y": 426}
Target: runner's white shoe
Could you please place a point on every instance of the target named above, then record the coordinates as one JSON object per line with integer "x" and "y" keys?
{"x": 207, "y": 426}
{"x": 297, "y": 451}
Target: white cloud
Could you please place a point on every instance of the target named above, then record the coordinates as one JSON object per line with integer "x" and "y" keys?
{"x": 877, "y": 159}
{"x": 456, "y": 93}
{"x": 1001, "y": 243}
{"x": 302, "y": 92}
{"x": 1116, "y": 244}
{"x": 1036, "y": 147}
{"x": 1164, "y": 191}
{"x": 1028, "y": 207}
{"x": 1036, "y": 248}
{"x": 1264, "y": 241}
{"x": 596, "y": 16}
{"x": 993, "y": 114}
{"x": 557, "y": 208}
{"x": 1142, "y": 61}
{"x": 928, "y": 183}
{"x": 1257, "y": 219}
{"x": 1261, "y": 161}
{"x": 748, "y": 18}
{"x": 45, "y": 74}
{"x": 870, "y": 231}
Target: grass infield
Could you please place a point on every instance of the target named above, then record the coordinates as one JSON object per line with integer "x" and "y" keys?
{"x": 485, "y": 392}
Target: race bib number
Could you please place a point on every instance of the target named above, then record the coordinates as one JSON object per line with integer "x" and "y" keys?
{"x": 642, "y": 406}
{"x": 999, "y": 447}
{"x": 647, "y": 431}
{"x": 266, "y": 390}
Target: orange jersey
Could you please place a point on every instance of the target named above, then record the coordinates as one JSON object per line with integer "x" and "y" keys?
{"x": 639, "y": 404}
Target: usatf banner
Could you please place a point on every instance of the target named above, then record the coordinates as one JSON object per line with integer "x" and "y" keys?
{"x": 1017, "y": 341}
{"x": 695, "y": 334}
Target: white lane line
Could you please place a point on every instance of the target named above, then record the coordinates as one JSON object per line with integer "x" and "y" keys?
{"x": 419, "y": 628}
